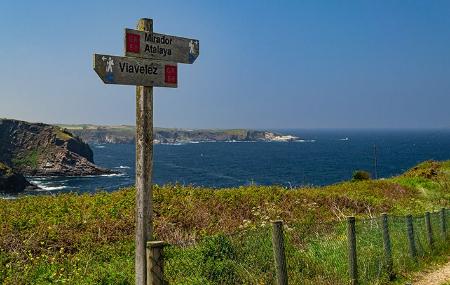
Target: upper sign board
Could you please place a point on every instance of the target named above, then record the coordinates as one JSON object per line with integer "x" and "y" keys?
{"x": 135, "y": 71}
{"x": 160, "y": 47}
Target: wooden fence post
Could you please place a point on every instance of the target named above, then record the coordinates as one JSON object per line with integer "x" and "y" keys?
{"x": 155, "y": 263}
{"x": 278, "y": 252}
{"x": 443, "y": 224}
{"x": 429, "y": 230}
{"x": 387, "y": 246}
{"x": 410, "y": 233}
{"x": 352, "y": 262}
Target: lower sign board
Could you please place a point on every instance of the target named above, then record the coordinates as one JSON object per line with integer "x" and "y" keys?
{"x": 135, "y": 71}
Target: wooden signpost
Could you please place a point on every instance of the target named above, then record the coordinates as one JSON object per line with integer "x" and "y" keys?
{"x": 161, "y": 47}
{"x": 150, "y": 60}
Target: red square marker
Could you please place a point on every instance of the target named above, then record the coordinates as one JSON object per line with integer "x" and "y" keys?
{"x": 171, "y": 74}
{"x": 133, "y": 43}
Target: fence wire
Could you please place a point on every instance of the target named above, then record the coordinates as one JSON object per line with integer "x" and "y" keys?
{"x": 400, "y": 244}
{"x": 244, "y": 258}
{"x": 316, "y": 253}
{"x": 371, "y": 259}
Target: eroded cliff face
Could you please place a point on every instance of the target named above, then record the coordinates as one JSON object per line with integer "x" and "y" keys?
{"x": 38, "y": 149}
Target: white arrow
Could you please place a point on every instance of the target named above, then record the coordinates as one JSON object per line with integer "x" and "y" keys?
{"x": 103, "y": 58}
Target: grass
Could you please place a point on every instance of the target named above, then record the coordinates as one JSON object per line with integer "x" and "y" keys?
{"x": 62, "y": 134}
{"x": 217, "y": 235}
{"x": 27, "y": 159}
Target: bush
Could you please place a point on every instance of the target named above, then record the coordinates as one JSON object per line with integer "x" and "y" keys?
{"x": 360, "y": 175}
{"x": 217, "y": 247}
{"x": 218, "y": 259}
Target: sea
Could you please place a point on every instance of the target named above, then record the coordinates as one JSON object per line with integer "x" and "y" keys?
{"x": 319, "y": 157}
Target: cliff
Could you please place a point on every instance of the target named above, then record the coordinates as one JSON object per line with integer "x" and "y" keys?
{"x": 11, "y": 181}
{"x": 38, "y": 149}
{"x": 126, "y": 134}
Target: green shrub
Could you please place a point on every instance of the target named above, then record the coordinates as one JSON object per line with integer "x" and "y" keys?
{"x": 217, "y": 248}
{"x": 360, "y": 175}
{"x": 218, "y": 257}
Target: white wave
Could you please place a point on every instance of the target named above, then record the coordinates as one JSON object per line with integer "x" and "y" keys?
{"x": 99, "y": 146}
{"x": 344, "y": 139}
{"x": 38, "y": 182}
{"x": 123, "y": 167}
{"x": 37, "y": 179}
{"x": 173, "y": 143}
{"x": 50, "y": 188}
{"x": 112, "y": 175}
{"x": 235, "y": 141}
{"x": 182, "y": 143}
{"x": 206, "y": 141}
{"x": 305, "y": 141}
{"x": 46, "y": 185}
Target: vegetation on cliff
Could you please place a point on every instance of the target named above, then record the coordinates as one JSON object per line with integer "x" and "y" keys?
{"x": 89, "y": 239}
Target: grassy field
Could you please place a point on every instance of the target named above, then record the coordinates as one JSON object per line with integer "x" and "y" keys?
{"x": 218, "y": 236}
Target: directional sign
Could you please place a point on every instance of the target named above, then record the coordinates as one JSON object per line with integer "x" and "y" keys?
{"x": 135, "y": 71}
{"x": 160, "y": 47}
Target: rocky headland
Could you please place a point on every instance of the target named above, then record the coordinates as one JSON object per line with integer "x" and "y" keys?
{"x": 36, "y": 149}
{"x": 126, "y": 134}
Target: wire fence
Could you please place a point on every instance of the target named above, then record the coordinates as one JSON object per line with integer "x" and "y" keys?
{"x": 244, "y": 258}
{"x": 316, "y": 253}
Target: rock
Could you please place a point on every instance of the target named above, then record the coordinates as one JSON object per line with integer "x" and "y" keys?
{"x": 12, "y": 182}
{"x": 38, "y": 149}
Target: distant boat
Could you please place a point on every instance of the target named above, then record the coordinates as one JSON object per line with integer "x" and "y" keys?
{"x": 344, "y": 139}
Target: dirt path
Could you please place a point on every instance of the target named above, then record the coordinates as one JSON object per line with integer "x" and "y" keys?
{"x": 440, "y": 276}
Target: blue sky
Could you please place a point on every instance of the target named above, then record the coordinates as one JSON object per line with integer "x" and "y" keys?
{"x": 262, "y": 64}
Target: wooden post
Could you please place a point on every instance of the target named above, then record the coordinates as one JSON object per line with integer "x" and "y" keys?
{"x": 155, "y": 263}
{"x": 278, "y": 252}
{"x": 144, "y": 159}
{"x": 443, "y": 224}
{"x": 429, "y": 229}
{"x": 410, "y": 233}
{"x": 352, "y": 261}
{"x": 387, "y": 246}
